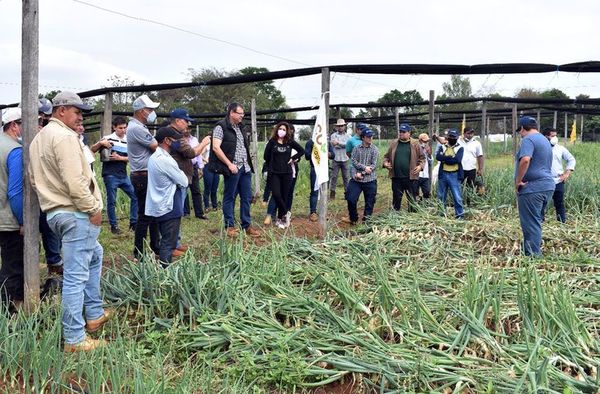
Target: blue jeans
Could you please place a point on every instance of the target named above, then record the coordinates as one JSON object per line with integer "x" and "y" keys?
{"x": 314, "y": 194}
{"x": 449, "y": 180}
{"x": 211, "y": 185}
{"x": 531, "y": 214}
{"x": 82, "y": 270}
{"x": 240, "y": 183}
{"x": 369, "y": 189}
{"x": 51, "y": 242}
{"x": 559, "y": 202}
{"x": 169, "y": 233}
{"x": 112, "y": 183}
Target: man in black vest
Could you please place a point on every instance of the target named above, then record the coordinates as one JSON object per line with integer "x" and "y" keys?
{"x": 232, "y": 159}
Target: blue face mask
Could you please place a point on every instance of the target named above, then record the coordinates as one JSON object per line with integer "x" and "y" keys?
{"x": 151, "y": 117}
{"x": 175, "y": 145}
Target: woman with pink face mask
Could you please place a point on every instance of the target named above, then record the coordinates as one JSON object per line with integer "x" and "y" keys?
{"x": 279, "y": 165}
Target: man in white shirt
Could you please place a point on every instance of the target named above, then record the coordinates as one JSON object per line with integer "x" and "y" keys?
{"x": 559, "y": 174}
{"x": 472, "y": 161}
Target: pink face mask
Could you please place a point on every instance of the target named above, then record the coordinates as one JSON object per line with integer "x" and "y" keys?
{"x": 281, "y": 133}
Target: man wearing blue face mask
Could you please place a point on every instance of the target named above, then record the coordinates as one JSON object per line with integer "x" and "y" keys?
{"x": 140, "y": 145}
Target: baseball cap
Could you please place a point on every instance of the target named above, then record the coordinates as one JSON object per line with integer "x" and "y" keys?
{"x": 10, "y": 115}
{"x": 366, "y": 132}
{"x": 361, "y": 126}
{"x": 144, "y": 102}
{"x": 404, "y": 127}
{"x": 71, "y": 99}
{"x": 452, "y": 133}
{"x": 423, "y": 137}
{"x": 527, "y": 121}
{"x": 167, "y": 132}
{"x": 180, "y": 113}
{"x": 45, "y": 106}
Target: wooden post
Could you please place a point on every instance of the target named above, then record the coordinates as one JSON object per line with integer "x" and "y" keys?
{"x": 254, "y": 149}
{"x": 504, "y": 133}
{"x": 29, "y": 106}
{"x": 486, "y": 141}
{"x": 437, "y": 124}
{"x": 323, "y": 196}
{"x": 566, "y": 125}
{"x": 483, "y": 119}
{"x": 106, "y": 128}
{"x": 339, "y": 112}
{"x": 397, "y": 117}
{"x": 431, "y": 112}
{"x": 581, "y": 128}
{"x": 539, "y": 119}
{"x": 555, "y": 121}
{"x": 379, "y": 123}
{"x": 430, "y": 124}
{"x": 515, "y": 121}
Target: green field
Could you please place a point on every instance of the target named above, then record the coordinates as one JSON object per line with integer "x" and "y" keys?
{"x": 404, "y": 303}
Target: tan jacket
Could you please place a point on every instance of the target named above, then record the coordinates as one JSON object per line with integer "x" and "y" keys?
{"x": 60, "y": 173}
{"x": 416, "y": 158}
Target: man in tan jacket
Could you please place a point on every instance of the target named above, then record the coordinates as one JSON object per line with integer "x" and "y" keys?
{"x": 70, "y": 197}
{"x": 404, "y": 160}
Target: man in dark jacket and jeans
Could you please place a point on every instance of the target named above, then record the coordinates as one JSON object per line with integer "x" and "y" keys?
{"x": 232, "y": 159}
{"x": 404, "y": 160}
{"x": 451, "y": 172}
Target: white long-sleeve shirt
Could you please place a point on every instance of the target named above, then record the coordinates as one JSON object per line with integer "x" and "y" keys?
{"x": 560, "y": 153}
{"x": 164, "y": 176}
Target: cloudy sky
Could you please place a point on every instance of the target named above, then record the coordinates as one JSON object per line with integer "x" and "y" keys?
{"x": 82, "y": 46}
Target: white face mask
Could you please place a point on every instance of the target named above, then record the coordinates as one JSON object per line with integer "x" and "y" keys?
{"x": 151, "y": 117}
{"x": 554, "y": 140}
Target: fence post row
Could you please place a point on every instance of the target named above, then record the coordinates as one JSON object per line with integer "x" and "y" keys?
{"x": 323, "y": 196}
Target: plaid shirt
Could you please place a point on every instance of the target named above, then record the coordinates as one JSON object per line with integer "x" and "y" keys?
{"x": 362, "y": 157}
{"x": 240, "y": 157}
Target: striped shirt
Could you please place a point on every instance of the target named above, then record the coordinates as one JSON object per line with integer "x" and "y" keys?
{"x": 362, "y": 157}
{"x": 240, "y": 157}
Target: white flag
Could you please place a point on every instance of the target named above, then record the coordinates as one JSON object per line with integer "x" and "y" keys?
{"x": 319, "y": 155}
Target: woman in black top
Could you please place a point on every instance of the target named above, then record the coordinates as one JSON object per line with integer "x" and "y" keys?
{"x": 280, "y": 166}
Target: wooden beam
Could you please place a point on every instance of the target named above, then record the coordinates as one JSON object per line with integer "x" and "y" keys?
{"x": 29, "y": 106}
{"x": 515, "y": 121}
{"x": 107, "y": 115}
{"x": 397, "y": 117}
{"x": 431, "y": 113}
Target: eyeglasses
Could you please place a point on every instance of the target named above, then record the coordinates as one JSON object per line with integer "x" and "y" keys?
{"x": 239, "y": 113}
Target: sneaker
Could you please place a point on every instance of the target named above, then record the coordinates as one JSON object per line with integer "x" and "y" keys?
{"x": 232, "y": 232}
{"x": 115, "y": 230}
{"x": 84, "y": 346}
{"x": 280, "y": 224}
{"x": 288, "y": 218}
{"x": 177, "y": 253}
{"x": 182, "y": 248}
{"x": 314, "y": 217}
{"x": 251, "y": 231}
{"x": 95, "y": 324}
{"x": 267, "y": 220}
{"x": 56, "y": 269}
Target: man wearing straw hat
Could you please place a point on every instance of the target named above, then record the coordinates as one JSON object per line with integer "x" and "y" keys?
{"x": 339, "y": 138}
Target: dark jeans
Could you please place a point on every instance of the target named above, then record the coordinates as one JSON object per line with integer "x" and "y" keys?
{"x": 449, "y": 181}
{"x": 169, "y": 231}
{"x": 399, "y": 187}
{"x": 314, "y": 194}
{"x": 369, "y": 189}
{"x": 469, "y": 178}
{"x": 196, "y": 197}
{"x": 280, "y": 188}
{"x": 240, "y": 183}
{"x": 112, "y": 183}
{"x": 337, "y": 166}
{"x": 558, "y": 197}
{"x": 50, "y": 242}
{"x": 211, "y": 185}
{"x": 267, "y": 193}
{"x": 531, "y": 212}
{"x": 424, "y": 187}
{"x": 11, "y": 272}
{"x": 145, "y": 223}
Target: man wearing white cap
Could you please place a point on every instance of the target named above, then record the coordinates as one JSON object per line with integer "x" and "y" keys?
{"x": 69, "y": 195}
{"x": 340, "y": 159}
{"x": 11, "y": 208}
{"x": 140, "y": 145}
